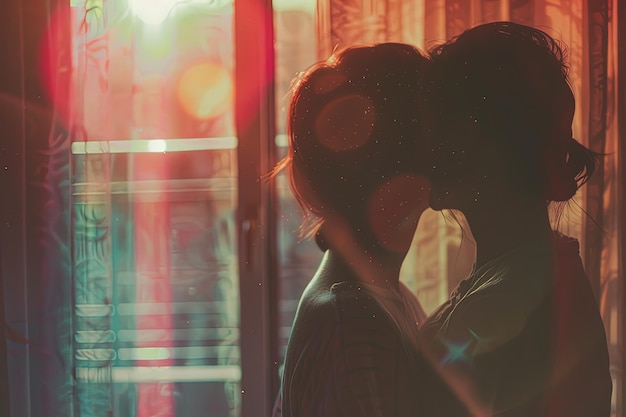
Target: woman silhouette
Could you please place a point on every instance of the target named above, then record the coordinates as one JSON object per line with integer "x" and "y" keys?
{"x": 522, "y": 335}
{"x": 354, "y": 160}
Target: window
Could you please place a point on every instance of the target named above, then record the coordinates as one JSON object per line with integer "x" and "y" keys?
{"x": 154, "y": 190}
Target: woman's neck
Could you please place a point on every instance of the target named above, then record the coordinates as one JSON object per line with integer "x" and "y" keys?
{"x": 353, "y": 263}
{"x": 348, "y": 254}
{"x": 500, "y": 228}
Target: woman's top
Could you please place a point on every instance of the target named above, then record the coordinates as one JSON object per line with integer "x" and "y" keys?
{"x": 521, "y": 336}
{"x": 349, "y": 354}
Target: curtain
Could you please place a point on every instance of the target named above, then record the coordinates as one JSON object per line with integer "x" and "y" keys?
{"x": 35, "y": 214}
{"x": 619, "y": 31}
{"x": 589, "y": 30}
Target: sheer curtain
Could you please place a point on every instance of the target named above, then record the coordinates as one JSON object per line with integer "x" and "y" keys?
{"x": 441, "y": 256}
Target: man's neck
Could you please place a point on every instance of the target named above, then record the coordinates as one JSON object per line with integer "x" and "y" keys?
{"x": 500, "y": 228}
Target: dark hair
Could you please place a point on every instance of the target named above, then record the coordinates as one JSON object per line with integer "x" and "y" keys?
{"x": 513, "y": 81}
{"x": 352, "y": 123}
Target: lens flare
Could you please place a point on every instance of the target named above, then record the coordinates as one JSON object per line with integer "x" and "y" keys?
{"x": 205, "y": 91}
{"x": 52, "y": 66}
{"x": 346, "y": 123}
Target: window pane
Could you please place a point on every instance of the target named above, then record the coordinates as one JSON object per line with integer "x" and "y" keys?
{"x": 154, "y": 196}
{"x": 295, "y": 44}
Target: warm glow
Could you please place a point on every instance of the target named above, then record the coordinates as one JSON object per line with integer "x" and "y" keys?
{"x": 157, "y": 145}
{"x": 53, "y": 77}
{"x": 306, "y": 5}
{"x": 346, "y": 122}
{"x": 152, "y": 12}
{"x": 205, "y": 91}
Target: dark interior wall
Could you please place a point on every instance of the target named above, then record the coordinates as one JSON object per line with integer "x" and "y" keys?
{"x": 11, "y": 179}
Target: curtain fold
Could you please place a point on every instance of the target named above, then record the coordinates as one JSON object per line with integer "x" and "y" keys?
{"x": 342, "y": 23}
{"x": 34, "y": 213}
{"x": 12, "y": 218}
{"x": 604, "y": 193}
{"x": 36, "y": 347}
{"x": 522, "y": 11}
{"x": 620, "y": 286}
{"x": 4, "y": 370}
{"x": 458, "y": 17}
{"x": 10, "y": 121}
{"x": 597, "y": 41}
{"x": 48, "y": 201}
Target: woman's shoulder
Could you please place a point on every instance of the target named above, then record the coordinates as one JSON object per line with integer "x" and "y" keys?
{"x": 372, "y": 316}
{"x": 315, "y": 305}
{"x": 354, "y": 309}
{"x": 350, "y": 298}
{"x": 343, "y": 312}
{"x": 329, "y": 303}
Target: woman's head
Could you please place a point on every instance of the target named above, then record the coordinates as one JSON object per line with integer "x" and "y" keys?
{"x": 502, "y": 111}
{"x": 354, "y": 150}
